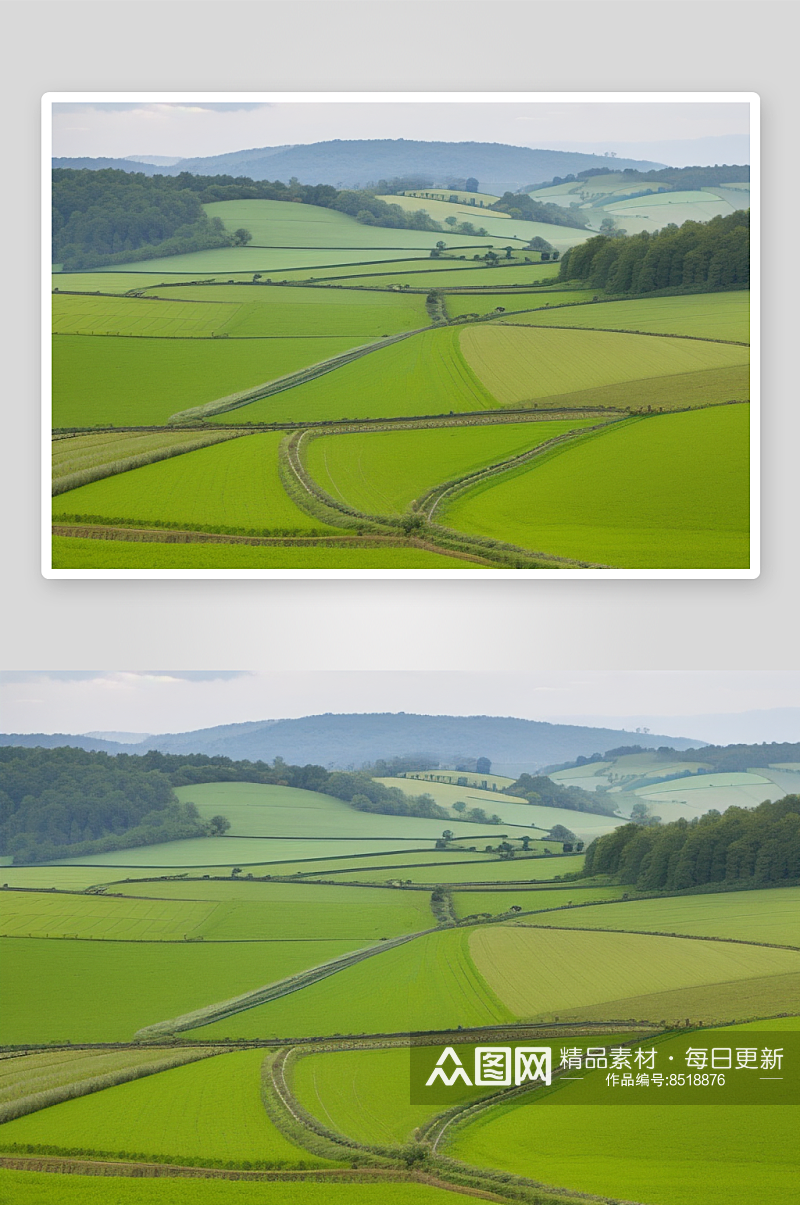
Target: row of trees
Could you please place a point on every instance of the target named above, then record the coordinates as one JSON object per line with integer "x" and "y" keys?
{"x": 715, "y": 254}
{"x": 520, "y": 205}
{"x": 538, "y": 789}
{"x": 111, "y": 216}
{"x": 759, "y": 846}
{"x": 64, "y": 802}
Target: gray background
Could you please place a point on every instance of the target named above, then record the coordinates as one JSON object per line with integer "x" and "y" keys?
{"x": 403, "y": 46}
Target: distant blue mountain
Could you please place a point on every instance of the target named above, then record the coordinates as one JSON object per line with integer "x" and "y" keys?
{"x": 513, "y": 746}
{"x": 363, "y": 162}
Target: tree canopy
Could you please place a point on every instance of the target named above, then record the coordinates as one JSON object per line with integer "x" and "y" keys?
{"x": 758, "y": 846}
{"x": 65, "y": 802}
{"x": 715, "y": 254}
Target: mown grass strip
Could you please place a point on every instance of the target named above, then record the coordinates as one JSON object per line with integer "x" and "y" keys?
{"x": 70, "y": 481}
{"x": 133, "y": 1068}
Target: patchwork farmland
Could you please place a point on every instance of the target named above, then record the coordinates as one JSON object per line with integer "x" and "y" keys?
{"x": 239, "y": 1004}
{"x": 329, "y": 393}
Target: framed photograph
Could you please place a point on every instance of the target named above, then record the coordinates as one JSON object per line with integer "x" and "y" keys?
{"x": 412, "y": 335}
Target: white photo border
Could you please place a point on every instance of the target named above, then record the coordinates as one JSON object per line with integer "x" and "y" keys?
{"x": 481, "y": 574}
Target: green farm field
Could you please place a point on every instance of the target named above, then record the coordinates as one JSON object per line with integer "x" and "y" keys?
{"x": 703, "y": 316}
{"x": 255, "y": 810}
{"x": 383, "y": 472}
{"x": 540, "y": 973}
{"x": 518, "y": 869}
{"x": 510, "y": 810}
{"x": 77, "y": 553}
{"x": 425, "y": 374}
{"x": 267, "y": 311}
{"x": 230, "y": 262}
{"x": 472, "y": 903}
{"x": 524, "y": 364}
{"x": 428, "y": 983}
{"x": 502, "y": 228}
{"x": 107, "y": 990}
{"x": 209, "y": 1112}
{"x": 209, "y": 912}
{"x": 24, "y": 1078}
{"x": 240, "y": 312}
{"x": 685, "y": 1155}
{"x": 612, "y": 497}
{"x": 449, "y": 273}
{"x": 32, "y": 1188}
{"x": 232, "y": 486}
{"x": 759, "y": 916}
{"x": 220, "y": 854}
{"x": 278, "y": 224}
{"x": 137, "y": 382}
{"x": 78, "y": 453}
{"x": 138, "y": 316}
{"x": 482, "y": 302}
{"x": 732, "y": 1000}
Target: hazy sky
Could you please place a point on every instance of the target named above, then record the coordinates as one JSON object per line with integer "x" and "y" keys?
{"x": 177, "y": 701}
{"x": 652, "y": 130}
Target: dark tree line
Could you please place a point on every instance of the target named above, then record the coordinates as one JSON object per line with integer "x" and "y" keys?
{"x": 758, "y": 846}
{"x": 520, "y": 205}
{"x": 715, "y": 254}
{"x": 65, "y": 802}
{"x": 541, "y": 790}
{"x": 110, "y": 216}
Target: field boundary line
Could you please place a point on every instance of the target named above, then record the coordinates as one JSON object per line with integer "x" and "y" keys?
{"x": 210, "y": 1013}
{"x": 739, "y": 941}
{"x": 607, "y": 330}
{"x": 167, "y": 535}
{"x": 22, "y": 1106}
{"x": 431, "y": 500}
{"x": 411, "y": 522}
{"x": 78, "y": 477}
{"x": 311, "y": 372}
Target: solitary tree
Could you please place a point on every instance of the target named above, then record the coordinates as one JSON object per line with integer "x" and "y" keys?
{"x": 471, "y": 185}
{"x": 219, "y": 825}
{"x": 559, "y": 833}
{"x": 483, "y": 765}
{"x": 459, "y": 806}
{"x": 241, "y": 237}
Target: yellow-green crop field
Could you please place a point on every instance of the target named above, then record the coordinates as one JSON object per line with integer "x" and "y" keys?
{"x": 703, "y": 316}
{"x": 540, "y": 973}
{"x": 759, "y": 916}
{"x": 567, "y": 361}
